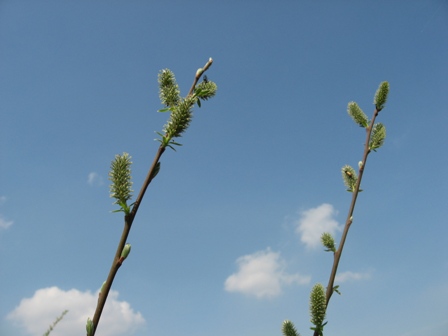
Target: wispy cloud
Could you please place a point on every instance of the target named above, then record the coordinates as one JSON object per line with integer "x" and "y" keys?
{"x": 95, "y": 179}
{"x": 35, "y": 314}
{"x": 262, "y": 274}
{"x": 5, "y": 224}
{"x": 352, "y": 276}
{"x": 314, "y": 222}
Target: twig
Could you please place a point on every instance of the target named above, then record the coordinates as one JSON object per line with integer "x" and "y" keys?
{"x": 199, "y": 74}
{"x": 348, "y": 222}
{"x": 129, "y": 219}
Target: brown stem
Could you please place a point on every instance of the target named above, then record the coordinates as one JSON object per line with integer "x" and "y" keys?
{"x": 348, "y": 222}
{"x": 199, "y": 74}
{"x": 129, "y": 219}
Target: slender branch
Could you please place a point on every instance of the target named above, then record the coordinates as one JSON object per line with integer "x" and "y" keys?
{"x": 58, "y": 319}
{"x": 348, "y": 222}
{"x": 129, "y": 219}
{"x": 199, "y": 74}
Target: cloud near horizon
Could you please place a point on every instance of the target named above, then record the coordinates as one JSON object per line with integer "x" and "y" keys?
{"x": 262, "y": 274}
{"x": 37, "y": 313}
{"x": 314, "y": 222}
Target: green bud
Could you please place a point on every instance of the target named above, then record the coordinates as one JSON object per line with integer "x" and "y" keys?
{"x": 205, "y": 90}
{"x": 378, "y": 136}
{"x": 360, "y": 164}
{"x": 120, "y": 175}
{"x": 381, "y": 96}
{"x": 90, "y": 327}
{"x": 350, "y": 178}
{"x": 180, "y": 118}
{"x": 328, "y": 241}
{"x": 169, "y": 90}
{"x": 102, "y": 287}
{"x": 357, "y": 114}
{"x": 126, "y": 251}
{"x": 199, "y": 72}
{"x": 318, "y": 305}
{"x": 288, "y": 329}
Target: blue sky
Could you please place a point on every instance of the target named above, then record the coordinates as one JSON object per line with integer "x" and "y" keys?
{"x": 224, "y": 242}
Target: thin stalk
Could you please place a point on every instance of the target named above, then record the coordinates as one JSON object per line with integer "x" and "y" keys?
{"x": 348, "y": 222}
{"x": 199, "y": 74}
{"x": 129, "y": 219}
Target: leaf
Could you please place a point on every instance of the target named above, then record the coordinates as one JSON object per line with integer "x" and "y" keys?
{"x": 156, "y": 170}
{"x": 165, "y": 109}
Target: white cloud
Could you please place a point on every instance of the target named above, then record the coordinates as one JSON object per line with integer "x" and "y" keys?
{"x": 352, "y": 276}
{"x": 4, "y": 224}
{"x": 314, "y": 222}
{"x": 262, "y": 274}
{"x": 37, "y": 313}
{"x": 95, "y": 179}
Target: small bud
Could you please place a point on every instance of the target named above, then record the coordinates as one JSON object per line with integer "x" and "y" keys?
{"x": 357, "y": 114}
{"x": 381, "y": 96}
{"x": 360, "y": 164}
{"x": 318, "y": 305}
{"x": 289, "y": 329}
{"x": 349, "y": 177}
{"x": 102, "y": 287}
{"x": 90, "y": 327}
{"x": 328, "y": 242}
{"x": 120, "y": 176}
{"x": 126, "y": 251}
{"x": 199, "y": 72}
{"x": 378, "y": 136}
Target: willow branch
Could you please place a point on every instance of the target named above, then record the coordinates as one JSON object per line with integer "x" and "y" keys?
{"x": 199, "y": 74}
{"x": 348, "y": 222}
{"x": 129, "y": 219}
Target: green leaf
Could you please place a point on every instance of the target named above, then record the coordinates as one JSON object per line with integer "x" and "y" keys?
{"x": 165, "y": 109}
{"x": 156, "y": 170}
{"x": 336, "y": 289}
